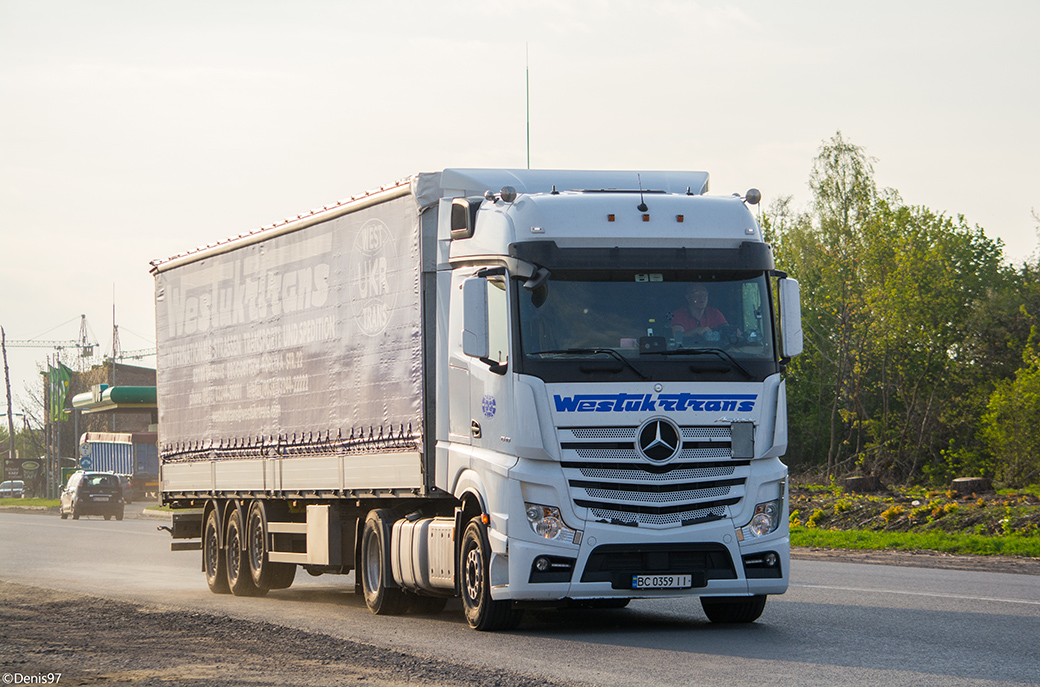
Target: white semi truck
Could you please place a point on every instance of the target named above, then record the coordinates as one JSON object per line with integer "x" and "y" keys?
{"x": 499, "y": 385}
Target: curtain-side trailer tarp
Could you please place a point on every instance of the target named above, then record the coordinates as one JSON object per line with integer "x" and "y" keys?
{"x": 307, "y": 343}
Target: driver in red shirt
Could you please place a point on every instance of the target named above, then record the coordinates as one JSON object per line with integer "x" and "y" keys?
{"x": 696, "y": 317}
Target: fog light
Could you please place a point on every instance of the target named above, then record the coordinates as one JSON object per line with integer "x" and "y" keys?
{"x": 541, "y": 564}
{"x": 771, "y": 559}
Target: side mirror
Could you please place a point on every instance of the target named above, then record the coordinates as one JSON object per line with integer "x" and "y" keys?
{"x": 790, "y": 318}
{"x": 475, "y": 318}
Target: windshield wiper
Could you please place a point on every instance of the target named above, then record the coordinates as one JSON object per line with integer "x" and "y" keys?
{"x": 592, "y": 351}
{"x": 705, "y": 351}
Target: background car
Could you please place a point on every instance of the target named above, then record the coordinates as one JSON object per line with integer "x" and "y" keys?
{"x": 12, "y": 489}
{"x": 92, "y": 493}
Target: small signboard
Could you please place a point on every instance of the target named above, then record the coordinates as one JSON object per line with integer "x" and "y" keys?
{"x": 85, "y": 462}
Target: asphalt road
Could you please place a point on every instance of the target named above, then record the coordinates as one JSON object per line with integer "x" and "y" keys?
{"x": 839, "y": 623}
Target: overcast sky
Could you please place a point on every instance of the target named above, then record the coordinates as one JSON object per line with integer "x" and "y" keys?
{"x": 136, "y": 130}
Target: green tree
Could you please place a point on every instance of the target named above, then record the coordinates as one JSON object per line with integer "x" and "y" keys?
{"x": 892, "y": 296}
{"x": 1010, "y": 425}
{"x": 823, "y": 250}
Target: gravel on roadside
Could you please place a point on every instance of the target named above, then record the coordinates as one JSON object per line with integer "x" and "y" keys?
{"x": 90, "y": 641}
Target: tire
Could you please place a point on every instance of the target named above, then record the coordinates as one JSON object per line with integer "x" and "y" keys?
{"x": 482, "y": 612}
{"x": 212, "y": 557}
{"x": 266, "y": 575}
{"x": 108, "y": 517}
{"x": 380, "y": 597}
{"x": 282, "y": 577}
{"x": 119, "y": 515}
{"x": 62, "y": 513}
{"x": 733, "y": 609}
{"x": 240, "y": 581}
{"x": 75, "y": 515}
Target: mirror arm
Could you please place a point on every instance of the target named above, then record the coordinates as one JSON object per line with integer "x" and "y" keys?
{"x": 496, "y": 367}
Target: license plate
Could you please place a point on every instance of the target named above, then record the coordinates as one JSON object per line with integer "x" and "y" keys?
{"x": 100, "y": 498}
{"x": 662, "y": 581}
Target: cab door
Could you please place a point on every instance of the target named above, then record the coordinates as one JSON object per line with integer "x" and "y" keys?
{"x": 490, "y": 384}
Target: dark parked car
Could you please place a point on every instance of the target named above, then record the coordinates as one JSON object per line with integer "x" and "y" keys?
{"x": 92, "y": 493}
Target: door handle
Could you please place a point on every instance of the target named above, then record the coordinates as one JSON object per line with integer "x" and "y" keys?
{"x": 474, "y": 429}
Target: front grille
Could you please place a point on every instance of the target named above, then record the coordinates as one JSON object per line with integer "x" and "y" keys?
{"x": 616, "y": 563}
{"x": 608, "y": 476}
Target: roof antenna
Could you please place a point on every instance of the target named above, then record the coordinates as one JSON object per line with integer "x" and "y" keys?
{"x": 642, "y": 204}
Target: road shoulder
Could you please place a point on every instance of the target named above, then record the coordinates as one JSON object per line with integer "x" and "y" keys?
{"x": 921, "y": 559}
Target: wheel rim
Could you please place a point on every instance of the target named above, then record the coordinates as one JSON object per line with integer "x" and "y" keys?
{"x": 211, "y": 551}
{"x": 373, "y": 570}
{"x": 474, "y": 574}
{"x": 234, "y": 547}
{"x": 256, "y": 542}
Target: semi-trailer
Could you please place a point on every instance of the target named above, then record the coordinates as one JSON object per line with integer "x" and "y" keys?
{"x": 518, "y": 387}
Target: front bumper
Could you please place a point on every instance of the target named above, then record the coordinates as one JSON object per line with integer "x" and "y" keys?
{"x": 609, "y": 556}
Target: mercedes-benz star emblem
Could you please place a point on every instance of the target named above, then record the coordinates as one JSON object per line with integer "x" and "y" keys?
{"x": 659, "y": 440}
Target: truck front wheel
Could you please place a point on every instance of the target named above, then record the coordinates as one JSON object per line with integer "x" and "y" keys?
{"x": 482, "y": 612}
{"x": 380, "y": 598}
{"x": 733, "y": 609}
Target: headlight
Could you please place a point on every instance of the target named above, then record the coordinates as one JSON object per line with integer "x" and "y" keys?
{"x": 547, "y": 522}
{"x": 765, "y": 521}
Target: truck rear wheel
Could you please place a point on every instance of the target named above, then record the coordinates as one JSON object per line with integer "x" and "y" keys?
{"x": 733, "y": 609}
{"x": 212, "y": 561}
{"x": 380, "y": 598}
{"x": 482, "y": 612}
{"x": 238, "y": 577}
{"x": 266, "y": 575}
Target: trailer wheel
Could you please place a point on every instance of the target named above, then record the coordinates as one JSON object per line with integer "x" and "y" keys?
{"x": 482, "y": 612}
{"x": 238, "y": 577}
{"x": 212, "y": 561}
{"x": 380, "y": 598}
{"x": 266, "y": 575}
{"x": 282, "y": 577}
{"x": 733, "y": 609}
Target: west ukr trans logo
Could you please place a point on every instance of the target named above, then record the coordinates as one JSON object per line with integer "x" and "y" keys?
{"x": 373, "y": 256}
{"x": 642, "y": 403}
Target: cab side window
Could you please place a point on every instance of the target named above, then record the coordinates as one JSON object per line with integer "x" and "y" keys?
{"x": 498, "y": 321}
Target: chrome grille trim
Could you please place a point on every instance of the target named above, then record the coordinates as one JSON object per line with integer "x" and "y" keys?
{"x": 687, "y": 474}
{"x": 656, "y": 497}
{"x": 608, "y": 476}
{"x": 690, "y": 517}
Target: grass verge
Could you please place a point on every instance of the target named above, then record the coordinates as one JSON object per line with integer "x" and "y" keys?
{"x": 986, "y": 545}
{"x": 46, "y": 503}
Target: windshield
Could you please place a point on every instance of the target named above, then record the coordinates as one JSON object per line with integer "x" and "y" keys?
{"x": 716, "y": 319}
